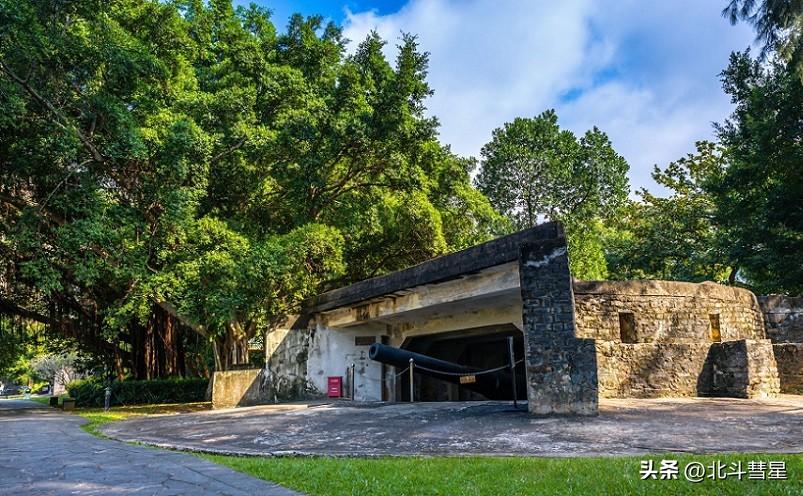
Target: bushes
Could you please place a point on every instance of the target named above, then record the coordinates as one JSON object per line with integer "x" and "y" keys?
{"x": 91, "y": 392}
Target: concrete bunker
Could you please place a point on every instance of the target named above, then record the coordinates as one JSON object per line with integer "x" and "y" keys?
{"x": 579, "y": 340}
{"x": 483, "y": 348}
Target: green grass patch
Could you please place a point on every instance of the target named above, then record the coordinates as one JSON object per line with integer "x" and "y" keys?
{"x": 400, "y": 476}
{"x": 44, "y": 400}
{"x": 98, "y": 418}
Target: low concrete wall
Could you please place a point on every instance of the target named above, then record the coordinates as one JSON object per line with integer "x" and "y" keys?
{"x": 789, "y": 357}
{"x": 238, "y": 388}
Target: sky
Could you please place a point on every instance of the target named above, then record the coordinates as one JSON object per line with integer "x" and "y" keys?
{"x": 643, "y": 71}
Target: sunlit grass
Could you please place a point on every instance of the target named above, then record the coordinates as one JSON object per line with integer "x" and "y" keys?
{"x": 97, "y": 417}
{"x": 399, "y": 476}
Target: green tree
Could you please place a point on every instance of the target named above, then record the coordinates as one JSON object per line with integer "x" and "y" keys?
{"x": 778, "y": 25}
{"x": 533, "y": 171}
{"x": 759, "y": 196}
{"x": 674, "y": 237}
{"x": 185, "y": 166}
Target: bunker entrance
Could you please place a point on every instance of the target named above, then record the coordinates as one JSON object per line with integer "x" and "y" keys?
{"x": 482, "y": 348}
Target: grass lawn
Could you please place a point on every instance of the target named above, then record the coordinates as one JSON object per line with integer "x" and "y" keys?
{"x": 98, "y": 418}
{"x": 399, "y": 476}
{"x": 45, "y": 400}
{"x": 502, "y": 475}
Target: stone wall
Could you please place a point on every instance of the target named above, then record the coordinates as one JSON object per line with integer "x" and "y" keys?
{"x": 672, "y": 351}
{"x": 783, "y": 316}
{"x": 561, "y": 369}
{"x": 742, "y": 369}
{"x": 789, "y": 357}
{"x": 651, "y": 370}
{"x": 666, "y": 311}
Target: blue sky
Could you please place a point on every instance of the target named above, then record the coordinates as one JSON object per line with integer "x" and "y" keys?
{"x": 645, "y": 72}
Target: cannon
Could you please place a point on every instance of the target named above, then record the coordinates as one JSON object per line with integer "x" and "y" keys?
{"x": 494, "y": 385}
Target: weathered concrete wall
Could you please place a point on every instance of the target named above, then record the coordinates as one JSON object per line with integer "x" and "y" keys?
{"x": 666, "y": 311}
{"x": 301, "y": 360}
{"x": 286, "y": 367}
{"x": 331, "y": 353}
{"x": 783, "y": 316}
{"x": 561, "y": 369}
{"x": 789, "y": 357}
{"x": 239, "y": 388}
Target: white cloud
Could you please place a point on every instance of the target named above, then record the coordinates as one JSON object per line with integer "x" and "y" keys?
{"x": 644, "y": 72}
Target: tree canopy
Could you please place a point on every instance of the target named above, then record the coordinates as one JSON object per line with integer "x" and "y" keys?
{"x": 673, "y": 237}
{"x": 759, "y": 195}
{"x": 532, "y": 170}
{"x": 185, "y": 165}
{"x": 778, "y": 25}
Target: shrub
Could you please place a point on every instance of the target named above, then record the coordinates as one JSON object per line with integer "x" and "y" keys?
{"x": 91, "y": 392}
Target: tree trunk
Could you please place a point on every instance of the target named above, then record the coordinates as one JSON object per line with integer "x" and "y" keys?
{"x": 158, "y": 347}
{"x": 231, "y": 349}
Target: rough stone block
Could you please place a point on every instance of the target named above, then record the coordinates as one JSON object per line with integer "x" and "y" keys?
{"x": 789, "y": 358}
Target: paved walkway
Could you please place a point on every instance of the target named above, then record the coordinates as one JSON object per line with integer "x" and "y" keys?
{"x": 45, "y": 452}
{"x": 628, "y": 426}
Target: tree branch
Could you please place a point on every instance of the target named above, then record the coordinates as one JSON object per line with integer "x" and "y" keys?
{"x": 96, "y": 155}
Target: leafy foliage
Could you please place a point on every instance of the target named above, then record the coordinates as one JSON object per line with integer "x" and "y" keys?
{"x": 778, "y": 24}
{"x": 190, "y": 157}
{"x": 674, "y": 237}
{"x": 55, "y": 369}
{"x": 92, "y": 392}
{"x": 532, "y": 170}
{"x": 759, "y": 197}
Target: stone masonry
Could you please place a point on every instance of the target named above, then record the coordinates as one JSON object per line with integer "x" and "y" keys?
{"x": 666, "y": 311}
{"x": 742, "y": 369}
{"x": 561, "y": 369}
{"x": 783, "y": 317}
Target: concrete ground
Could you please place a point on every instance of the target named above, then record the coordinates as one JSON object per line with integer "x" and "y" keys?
{"x": 695, "y": 425}
{"x": 45, "y": 452}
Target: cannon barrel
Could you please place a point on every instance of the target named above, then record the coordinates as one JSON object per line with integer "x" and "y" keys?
{"x": 495, "y": 385}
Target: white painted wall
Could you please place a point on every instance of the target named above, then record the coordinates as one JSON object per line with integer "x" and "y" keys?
{"x": 332, "y": 351}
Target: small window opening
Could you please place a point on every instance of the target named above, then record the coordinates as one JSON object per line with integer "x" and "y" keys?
{"x": 714, "y": 332}
{"x": 627, "y": 327}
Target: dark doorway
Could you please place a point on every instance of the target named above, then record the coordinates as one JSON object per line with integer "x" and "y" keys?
{"x": 483, "y": 348}
{"x": 627, "y": 328}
